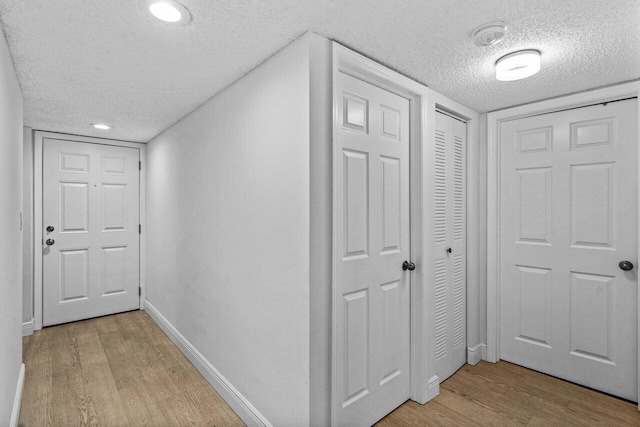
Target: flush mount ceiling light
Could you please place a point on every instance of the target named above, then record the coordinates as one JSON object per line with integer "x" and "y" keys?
{"x": 168, "y": 11}
{"x": 101, "y": 126}
{"x": 518, "y": 65}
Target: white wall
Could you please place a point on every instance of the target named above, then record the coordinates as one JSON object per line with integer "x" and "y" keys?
{"x": 27, "y": 229}
{"x": 11, "y": 242}
{"x": 228, "y": 205}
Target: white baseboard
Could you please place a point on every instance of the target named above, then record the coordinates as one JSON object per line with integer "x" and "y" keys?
{"x": 476, "y": 354}
{"x": 245, "y": 410}
{"x": 17, "y": 401}
{"x": 27, "y": 328}
{"x": 433, "y": 387}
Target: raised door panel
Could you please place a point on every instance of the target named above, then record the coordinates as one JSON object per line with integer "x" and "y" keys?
{"x": 114, "y": 165}
{"x": 356, "y": 205}
{"x": 534, "y": 303}
{"x": 356, "y": 113}
{"x": 114, "y": 207}
{"x": 114, "y": 268}
{"x": 534, "y": 205}
{"x": 592, "y": 309}
{"x": 592, "y": 205}
{"x": 390, "y": 123}
{"x": 73, "y": 282}
{"x": 74, "y": 207}
{"x": 593, "y": 133}
{"x": 534, "y": 140}
{"x": 391, "y": 205}
{"x": 74, "y": 163}
{"x": 355, "y": 361}
{"x": 391, "y": 331}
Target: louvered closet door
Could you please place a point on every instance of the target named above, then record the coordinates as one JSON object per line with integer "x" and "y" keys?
{"x": 450, "y": 241}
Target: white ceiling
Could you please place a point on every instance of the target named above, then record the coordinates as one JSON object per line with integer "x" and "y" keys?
{"x": 85, "y": 61}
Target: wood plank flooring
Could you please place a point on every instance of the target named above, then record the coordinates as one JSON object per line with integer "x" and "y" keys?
{"x": 118, "y": 370}
{"x": 504, "y": 394}
{"x": 122, "y": 370}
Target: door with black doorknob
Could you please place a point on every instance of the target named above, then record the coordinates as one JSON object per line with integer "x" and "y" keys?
{"x": 568, "y": 241}
{"x": 90, "y": 213}
{"x": 373, "y": 266}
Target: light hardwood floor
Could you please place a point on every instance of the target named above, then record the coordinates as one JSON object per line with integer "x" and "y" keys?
{"x": 123, "y": 370}
{"x": 504, "y": 394}
{"x": 117, "y": 370}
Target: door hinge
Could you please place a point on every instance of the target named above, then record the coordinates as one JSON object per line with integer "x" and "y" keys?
{"x": 139, "y": 228}
{"x": 139, "y": 166}
{"x": 139, "y": 291}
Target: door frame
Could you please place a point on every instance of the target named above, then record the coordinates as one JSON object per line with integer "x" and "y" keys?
{"x": 39, "y": 137}
{"x": 494, "y": 121}
{"x": 423, "y": 103}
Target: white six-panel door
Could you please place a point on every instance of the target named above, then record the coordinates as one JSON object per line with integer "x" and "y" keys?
{"x": 450, "y": 244}
{"x": 569, "y": 197}
{"x": 91, "y": 255}
{"x": 371, "y": 295}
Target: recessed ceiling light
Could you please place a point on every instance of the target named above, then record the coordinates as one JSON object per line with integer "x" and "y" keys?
{"x": 101, "y": 126}
{"x": 518, "y": 65}
{"x": 168, "y": 11}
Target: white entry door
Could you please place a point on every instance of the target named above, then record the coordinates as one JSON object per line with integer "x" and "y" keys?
{"x": 372, "y": 291}
{"x": 90, "y": 197}
{"x": 569, "y": 197}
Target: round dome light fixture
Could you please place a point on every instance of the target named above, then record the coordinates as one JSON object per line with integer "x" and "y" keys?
{"x": 169, "y": 11}
{"x": 518, "y": 65}
{"x": 101, "y": 126}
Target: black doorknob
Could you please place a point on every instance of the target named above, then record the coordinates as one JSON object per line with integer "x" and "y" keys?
{"x": 408, "y": 265}
{"x": 50, "y": 228}
{"x": 50, "y": 242}
{"x": 625, "y": 265}
{"x": 449, "y": 250}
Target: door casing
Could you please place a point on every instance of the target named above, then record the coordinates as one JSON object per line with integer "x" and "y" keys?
{"x": 39, "y": 137}
{"x": 423, "y": 103}
{"x": 494, "y": 120}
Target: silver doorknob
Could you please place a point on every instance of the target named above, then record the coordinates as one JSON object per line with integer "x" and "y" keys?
{"x": 625, "y": 265}
{"x": 50, "y": 242}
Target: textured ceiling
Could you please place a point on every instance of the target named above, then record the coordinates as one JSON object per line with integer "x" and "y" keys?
{"x": 85, "y": 61}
